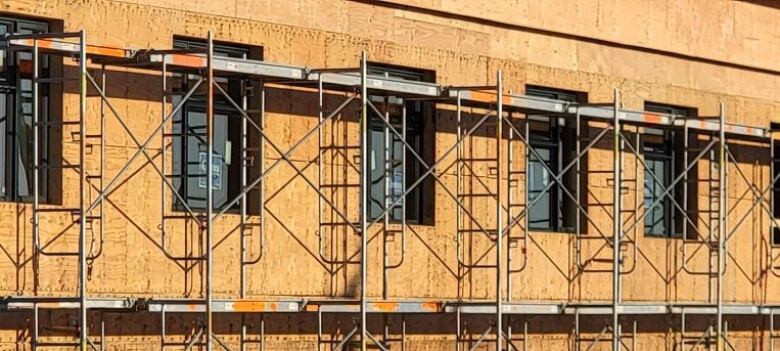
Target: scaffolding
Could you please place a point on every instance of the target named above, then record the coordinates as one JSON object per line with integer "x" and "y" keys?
{"x": 508, "y": 229}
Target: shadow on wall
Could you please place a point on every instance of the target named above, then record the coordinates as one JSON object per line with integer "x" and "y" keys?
{"x": 767, "y": 3}
{"x": 56, "y": 324}
{"x": 301, "y": 104}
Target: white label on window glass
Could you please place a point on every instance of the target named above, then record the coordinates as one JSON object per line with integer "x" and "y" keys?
{"x": 396, "y": 185}
{"x": 216, "y": 173}
{"x": 228, "y": 152}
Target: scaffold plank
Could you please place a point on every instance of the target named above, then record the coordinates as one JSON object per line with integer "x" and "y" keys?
{"x": 264, "y": 69}
{"x": 65, "y": 47}
{"x": 48, "y": 303}
{"x": 256, "y": 306}
{"x": 518, "y": 102}
{"x": 231, "y": 65}
{"x": 506, "y": 308}
{"x": 385, "y": 307}
{"x": 374, "y": 83}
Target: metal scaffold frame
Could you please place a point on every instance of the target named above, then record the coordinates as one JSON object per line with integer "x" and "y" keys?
{"x": 357, "y": 86}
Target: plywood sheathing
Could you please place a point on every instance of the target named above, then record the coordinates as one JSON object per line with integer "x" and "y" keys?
{"x": 331, "y": 34}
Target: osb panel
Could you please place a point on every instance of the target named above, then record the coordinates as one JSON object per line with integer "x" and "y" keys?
{"x": 332, "y": 34}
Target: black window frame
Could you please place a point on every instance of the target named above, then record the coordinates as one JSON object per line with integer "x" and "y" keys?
{"x": 667, "y": 146}
{"x": 235, "y": 87}
{"x": 16, "y": 119}
{"x": 419, "y": 116}
{"x": 557, "y": 136}
{"x": 774, "y": 231}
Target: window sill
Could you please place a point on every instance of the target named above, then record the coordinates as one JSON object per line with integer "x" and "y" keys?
{"x": 550, "y": 231}
{"x": 655, "y": 237}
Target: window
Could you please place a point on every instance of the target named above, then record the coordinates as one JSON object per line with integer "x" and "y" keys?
{"x": 386, "y": 178}
{"x": 663, "y": 152}
{"x": 16, "y": 127}
{"x": 553, "y": 140}
{"x": 190, "y": 148}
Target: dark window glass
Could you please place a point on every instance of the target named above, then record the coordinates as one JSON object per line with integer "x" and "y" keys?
{"x": 16, "y": 119}
{"x": 4, "y": 28}
{"x": 387, "y": 173}
{"x": 552, "y": 139}
{"x": 663, "y": 152}
{"x": 190, "y": 148}
{"x": 658, "y": 168}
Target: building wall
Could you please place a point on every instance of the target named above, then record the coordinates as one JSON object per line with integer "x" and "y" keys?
{"x": 685, "y": 53}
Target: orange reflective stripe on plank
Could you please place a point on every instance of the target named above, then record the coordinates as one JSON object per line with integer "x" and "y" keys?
{"x": 186, "y": 60}
{"x": 430, "y": 306}
{"x": 489, "y": 97}
{"x": 385, "y": 306}
{"x": 652, "y": 118}
{"x": 254, "y": 306}
{"x": 73, "y": 47}
{"x": 107, "y": 51}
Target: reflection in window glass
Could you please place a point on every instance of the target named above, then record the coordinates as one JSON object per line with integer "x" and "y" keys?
{"x": 16, "y": 119}
{"x": 656, "y": 219}
{"x": 194, "y": 146}
{"x": 386, "y": 182}
{"x": 538, "y": 181}
{"x": 24, "y": 134}
{"x": 3, "y": 54}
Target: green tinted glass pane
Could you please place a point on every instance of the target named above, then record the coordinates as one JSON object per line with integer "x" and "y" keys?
{"x": 656, "y": 218}
{"x": 378, "y": 170}
{"x": 540, "y": 213}
{"x": 24, "y": 139}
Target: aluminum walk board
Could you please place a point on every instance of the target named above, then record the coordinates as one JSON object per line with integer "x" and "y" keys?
{"x": 385, "y": 307}
{"x": 226, "y": 306}
{"x": 262, "y": 69}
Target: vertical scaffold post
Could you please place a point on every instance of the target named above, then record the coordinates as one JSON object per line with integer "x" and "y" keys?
{"x": 509, "y": 198}
{"x": 82, "y": 181}
{"x": 771, "y": 310}
{"x": 499, "y": 224}
{"x": 458, "y": 155}
{"x": 508, "y": 228}
{"x": 363, "y": 204}
{"x": 163, "y": 115}
{"x": 243, "y": 205}
{"x": 36, "y": 141}
{"x": 388, "y": 202}
{"x": 721, "y": 220}
{"x": 577, "y": 186}
{"x": 36, "y": 193}
{"x": 209, "y": 184}
{"x": 686, "y": 146}
{"x": 616, "y": 224}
